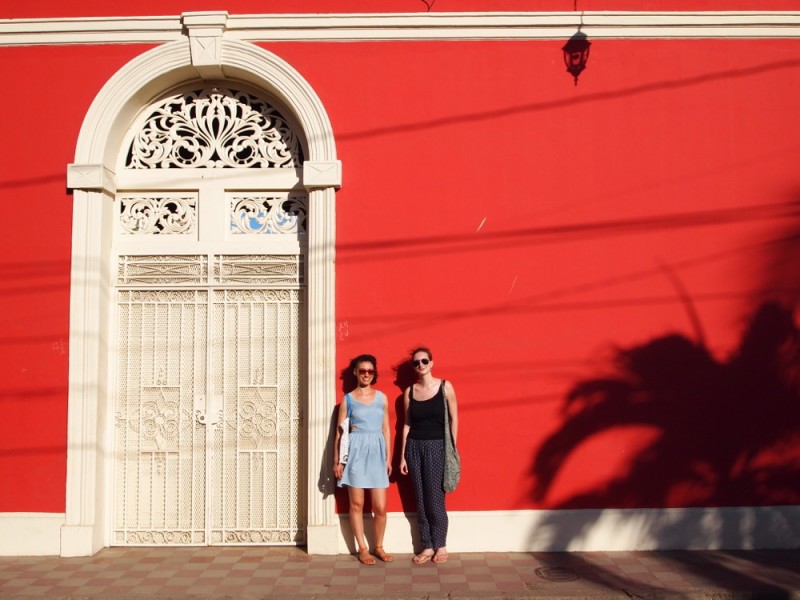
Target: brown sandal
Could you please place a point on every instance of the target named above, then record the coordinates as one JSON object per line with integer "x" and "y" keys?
{"x": 382, "y": 555}
{"x": 364, "y": 557}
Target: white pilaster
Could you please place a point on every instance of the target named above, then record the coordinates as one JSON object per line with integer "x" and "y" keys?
{"x": 323, "y": 531}
{"x": 82, "y": 533}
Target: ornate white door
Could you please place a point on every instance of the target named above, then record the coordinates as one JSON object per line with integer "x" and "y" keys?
{"x": 208, "y": 417}
{"x": 208, "y": 420}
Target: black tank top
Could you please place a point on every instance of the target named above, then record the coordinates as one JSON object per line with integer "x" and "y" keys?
{"x": 427, "y": 417}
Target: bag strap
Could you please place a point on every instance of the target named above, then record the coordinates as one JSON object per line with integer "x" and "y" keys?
{"x": 347, "y": 398}
{"x": 446, "y": 410}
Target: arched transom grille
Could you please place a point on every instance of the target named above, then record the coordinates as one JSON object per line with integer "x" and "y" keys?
{"x": 214, "y": 128}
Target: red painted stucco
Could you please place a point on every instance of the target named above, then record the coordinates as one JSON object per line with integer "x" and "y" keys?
{"x": 550, "y": 243}
{"x": 53, "y": 90}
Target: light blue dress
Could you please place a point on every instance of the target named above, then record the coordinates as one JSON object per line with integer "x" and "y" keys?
{"x": 366, "y": 464}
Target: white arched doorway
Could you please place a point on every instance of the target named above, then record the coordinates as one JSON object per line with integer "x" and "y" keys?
{"x": 98, "y": 180}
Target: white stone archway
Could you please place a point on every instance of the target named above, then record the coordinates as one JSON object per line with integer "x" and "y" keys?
{"x": 203, "y": 54}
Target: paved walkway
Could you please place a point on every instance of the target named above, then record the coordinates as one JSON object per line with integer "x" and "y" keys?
{"x": 260, "y": 573}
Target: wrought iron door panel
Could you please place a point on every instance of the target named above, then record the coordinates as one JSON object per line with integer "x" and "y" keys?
{"x": 160, "y": 447}
{"x": 256, "y": 440}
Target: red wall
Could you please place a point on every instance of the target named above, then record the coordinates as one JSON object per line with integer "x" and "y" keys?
{"x": 544, "y": 239}
{"x": 527, "y": 230}
{"x": 53, "y": 88}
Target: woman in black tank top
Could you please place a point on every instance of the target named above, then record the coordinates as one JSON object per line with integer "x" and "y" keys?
{"x": 422, "y": 453}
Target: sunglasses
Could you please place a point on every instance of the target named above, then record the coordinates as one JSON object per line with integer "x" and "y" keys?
{"x": 420, "y": 361}
{"x": 366, "y": 371}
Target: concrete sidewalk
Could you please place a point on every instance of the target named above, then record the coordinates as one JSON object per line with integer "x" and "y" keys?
{"x": 259, "y": 573}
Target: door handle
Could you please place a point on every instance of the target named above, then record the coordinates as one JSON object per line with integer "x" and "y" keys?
{"x": 208, "y": 411}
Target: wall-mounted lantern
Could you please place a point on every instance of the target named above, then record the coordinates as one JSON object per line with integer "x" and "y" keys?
{"x": 576, "y": 53}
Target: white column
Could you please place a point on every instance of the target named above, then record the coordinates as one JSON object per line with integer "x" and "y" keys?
{"x": 323, "y": 528}
{"x": 82, "y": 533}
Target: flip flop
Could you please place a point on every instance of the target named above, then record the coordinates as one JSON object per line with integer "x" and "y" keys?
{"x": 440, "y": 557}
{"x": 422, "y": 557}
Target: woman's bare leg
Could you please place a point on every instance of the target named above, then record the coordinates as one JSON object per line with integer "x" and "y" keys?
{"x": 379, "y": 516}
{"x": 357, "y": 515}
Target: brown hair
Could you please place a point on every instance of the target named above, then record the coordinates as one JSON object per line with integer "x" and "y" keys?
{"x": 424, "y": 349}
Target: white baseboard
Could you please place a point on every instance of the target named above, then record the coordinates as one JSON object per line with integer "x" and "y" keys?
{"x": 736, "y": 528}
{"x": 30, "y": 534}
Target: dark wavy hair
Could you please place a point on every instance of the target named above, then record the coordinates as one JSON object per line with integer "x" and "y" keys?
{"x": 366, "y": 358}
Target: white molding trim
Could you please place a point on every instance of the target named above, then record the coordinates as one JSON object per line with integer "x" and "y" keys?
{"x": 736, "y": 528}
{"x": 92, "y": 179}
{"x": 600, "y": 530}
{"x": 319, "y": 174}
{"x": 30, "y": 534}
{"x": 403, "y": 27}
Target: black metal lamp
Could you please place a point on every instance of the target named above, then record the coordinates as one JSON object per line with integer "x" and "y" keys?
{"x": 576, "y": 53}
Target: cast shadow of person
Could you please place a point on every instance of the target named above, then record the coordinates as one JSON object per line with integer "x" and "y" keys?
{"x": 349, "y": 383}
{"x": 326, "y": 482}
{"x": 723, "y": 430}
{"x": 405, "y": 375}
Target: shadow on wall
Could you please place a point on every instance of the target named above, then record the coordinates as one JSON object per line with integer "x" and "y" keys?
{"x": 727, "y": 434}
{"x": 727, "y": 430}
{"x": 723, "y": 425}
{"x": 326, "y": 482}
{"x": 405, "y": 376}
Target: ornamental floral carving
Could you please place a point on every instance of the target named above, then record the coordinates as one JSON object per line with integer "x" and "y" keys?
{"x": 270, "y": 215}
{"x": 216, "y": 128}
{"x": 158, "y": 215}
{"x": 258, "y": 420}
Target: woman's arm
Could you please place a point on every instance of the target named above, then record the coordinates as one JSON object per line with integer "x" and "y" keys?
{"x": 452, "y": 407}
{"x": 387, "y": 434}
{"x": 338, "y": 468}
{"x": 406, "y": 428}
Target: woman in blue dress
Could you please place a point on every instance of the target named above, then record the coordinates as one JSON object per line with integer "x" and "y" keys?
{"x": 368, "y": 464}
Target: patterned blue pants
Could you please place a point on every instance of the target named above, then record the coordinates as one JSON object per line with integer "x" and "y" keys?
{"x": 425, "y": 460}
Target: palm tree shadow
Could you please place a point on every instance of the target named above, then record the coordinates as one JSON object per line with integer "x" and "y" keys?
{"x": 675, "y": 386}
{"x": 709, "y": 571}
{"x": 727, "y": 432}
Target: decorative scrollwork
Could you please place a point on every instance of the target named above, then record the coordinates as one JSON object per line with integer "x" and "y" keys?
{"x": 216, "y": 128}
{"x": 268, "y": 215}
{"x": 258, "y": 269}
{"x": 160, "y": 420}
{"x": 258, "y": 420}
{"x": 272, "y": 296}
{"x": 162, "y": 270}
{"x": 158, "y": 215}
{"x": 158, "y": 537}
{"x": 260, "y": 536}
